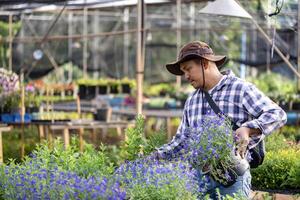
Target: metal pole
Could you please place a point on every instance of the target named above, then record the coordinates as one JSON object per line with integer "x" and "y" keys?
{"x": 10, "y": 43}
{"x": 126, "y": 43}
{"x": 70, "y": 41}
{"x": 243, "y": 55}
{"x": 140, "y": 57}
{"x": 285, "y": 59}
{"x": 268, "y": 45}
{"x": 85, "y": 43}
{"x": 96, "y": 42}
{"x": 178, "y": 34}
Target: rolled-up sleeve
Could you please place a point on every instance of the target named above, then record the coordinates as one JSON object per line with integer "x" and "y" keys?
{"x": 176, "y": 144}
{"x": 267, "y": 116}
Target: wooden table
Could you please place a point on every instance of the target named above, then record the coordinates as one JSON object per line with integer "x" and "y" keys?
{"x": 166, "y": 114}
{"x": 93, "y": 125}
{"x": 3, "y": 128}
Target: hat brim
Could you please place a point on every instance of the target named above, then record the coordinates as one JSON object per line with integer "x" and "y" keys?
{"x": 174, "y": 68}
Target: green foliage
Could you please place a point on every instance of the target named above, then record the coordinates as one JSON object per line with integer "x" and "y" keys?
{"x": 276, "y": 142}
{"x": 4, "y": 32}
{"x": 137, "y": 144}
{"x": 294, "y": 175}
{"x": 160, "y": 89}
{"x": 291, "y": 133}
{"x": 274, "y": 84}
{"x": 88, "y": 163}
{"x": 166, "y": 192}
{"x": 278, "y": 170}
{"x": 12, "y": 102}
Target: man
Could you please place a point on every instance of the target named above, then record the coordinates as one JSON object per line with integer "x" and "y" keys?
{"x": 255, "y": 114}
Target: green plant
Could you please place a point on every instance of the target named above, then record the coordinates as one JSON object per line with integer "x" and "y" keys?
{"x": 274, "y": 84}
{"x": 135, "y": 141}
{"x": 88, "y": 163}
{"x": 276, "y": 142}
{"x": 137, "y": 144}
{"x": 294, "y": 175}
{"x": 275, "y": 171}
{"x": 291, "y": 133}
{"x": 131, "y": 82}
{"x": 12, "y": 102}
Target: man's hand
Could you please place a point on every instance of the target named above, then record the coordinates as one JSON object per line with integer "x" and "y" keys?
{"x": 242, "y": 139}
{"x": 242, "y": 135}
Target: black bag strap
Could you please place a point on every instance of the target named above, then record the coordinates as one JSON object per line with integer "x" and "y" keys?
{"x": 216, "y": 108}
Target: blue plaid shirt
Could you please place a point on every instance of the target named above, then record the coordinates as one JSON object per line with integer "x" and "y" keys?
{"x": 239, "y": 100}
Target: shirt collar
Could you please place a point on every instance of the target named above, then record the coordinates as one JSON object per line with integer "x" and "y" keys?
{"x": 227, "y": 75}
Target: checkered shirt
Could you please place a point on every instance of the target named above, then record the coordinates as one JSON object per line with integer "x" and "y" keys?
{"x": 239, "y": 100}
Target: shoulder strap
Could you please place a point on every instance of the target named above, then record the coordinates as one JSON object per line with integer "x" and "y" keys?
{"x": 212, "y": 104}
{"x": 216, "y": 108}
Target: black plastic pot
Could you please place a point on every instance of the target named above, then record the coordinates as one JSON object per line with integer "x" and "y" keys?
{"x": 101, "y": 114}
{"x": 114, "y": 89}
{"x": 126, "y": 88}
{"x": 102, "y": 89}
{"x": 82, "y": 92}
{"x": 91, "y": 91}
{"x": 296, "y": 106}
{"x": 284, "y": 105}
{"x": 31, "y": 109}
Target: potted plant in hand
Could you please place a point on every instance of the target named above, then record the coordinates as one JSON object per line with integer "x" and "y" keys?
{"x": 211, "y": 149}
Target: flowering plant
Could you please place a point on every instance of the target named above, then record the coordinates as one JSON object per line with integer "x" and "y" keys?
{"x": 147, "y": 178}
{"x": 211, "y": 148}
{"x": 31, "y": 99}
{"x": 9, "y": 90}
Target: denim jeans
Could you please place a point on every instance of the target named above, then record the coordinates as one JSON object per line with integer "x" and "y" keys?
{"x": 242, "y": 187}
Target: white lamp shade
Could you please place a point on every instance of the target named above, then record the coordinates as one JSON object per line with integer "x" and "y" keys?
{"x": 225, "y": 8}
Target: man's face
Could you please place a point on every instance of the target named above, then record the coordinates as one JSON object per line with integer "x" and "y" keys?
{"x": 193, "y": 73}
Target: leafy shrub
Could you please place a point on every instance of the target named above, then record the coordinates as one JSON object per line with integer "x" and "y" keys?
{"x": 136, "y": 144}
{"x": 275, "y": 142}
{"x": 88, "y": 163}
{"x": 278, "y": 167}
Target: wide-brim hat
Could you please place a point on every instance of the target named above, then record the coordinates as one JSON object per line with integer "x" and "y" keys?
{"x": 191, "y": 51}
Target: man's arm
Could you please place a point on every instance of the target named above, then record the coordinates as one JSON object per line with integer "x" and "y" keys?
{"x": 177, "y": 143}
{"x": 267, "y": 115}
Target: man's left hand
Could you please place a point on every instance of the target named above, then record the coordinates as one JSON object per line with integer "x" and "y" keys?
{"x": 242, "y": 139}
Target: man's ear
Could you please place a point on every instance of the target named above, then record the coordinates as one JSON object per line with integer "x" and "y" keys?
{"x": 205, "y": 63}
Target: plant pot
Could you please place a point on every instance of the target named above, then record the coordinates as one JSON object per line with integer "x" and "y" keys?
{"x": 82, "y": 92}
{"x": 114, "y": 89}
{"x": 102, "y": 89}
{"x": 91, "y": 91}
{"x": 17, "y": 117}
{"x": 126, "y": 88}
{"x": 296, "y": 106}
{"x": 57, "y": 93}
{"x": 284, "y": 105}
{"x": 101, "y": 114}
{"x": 7, "y": 118}
{"x": 32, "y": 109}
